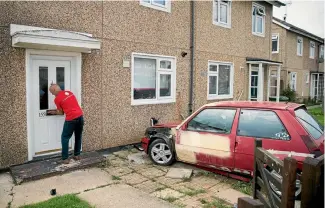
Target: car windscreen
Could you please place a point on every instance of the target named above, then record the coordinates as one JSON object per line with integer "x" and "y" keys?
{"x": 315, "y": 129}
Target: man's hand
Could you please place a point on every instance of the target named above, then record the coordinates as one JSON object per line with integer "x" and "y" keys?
{"x": 55, "y": 112}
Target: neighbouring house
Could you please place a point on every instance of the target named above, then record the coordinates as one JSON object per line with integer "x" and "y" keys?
{"x": 302, "y": 54}
{"x": 126, "y": 61}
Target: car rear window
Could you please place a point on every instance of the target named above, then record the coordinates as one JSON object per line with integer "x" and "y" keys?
{"x": 311, "y": 125}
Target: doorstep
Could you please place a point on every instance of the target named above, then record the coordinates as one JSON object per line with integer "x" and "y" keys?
{"x": 52, "y": 166}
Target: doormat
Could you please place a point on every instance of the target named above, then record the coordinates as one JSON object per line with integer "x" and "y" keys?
{"x": 50, "y": 167}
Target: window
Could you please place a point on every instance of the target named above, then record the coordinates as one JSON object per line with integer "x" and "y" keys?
{"x": 220, "y": 80}
{"x": 162, "y": 5}
{"x": 153, "y": 79}
{"x": 213, "y": 120}
{"x": 312, "y": 50}
{"x": 222, "y": 13}
{"x": 307, "y": 78}
{"x": 258, "y": 20}
{"x": 261, "y": 124}
{"x": 275, "y": 43}
{"x": 310, "y": 124}
{"x": 300, "y": 43}
{"x": 321, "y": 52}
{"x": 293, "y": 81}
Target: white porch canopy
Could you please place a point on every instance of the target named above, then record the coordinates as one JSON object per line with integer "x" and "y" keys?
{"x": 52, "y": 39}
{"x": 260, "y": 76}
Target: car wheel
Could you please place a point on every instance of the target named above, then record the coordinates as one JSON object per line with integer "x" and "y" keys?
{"x": 160, "y": 153}
{"x": 278, "y": 192}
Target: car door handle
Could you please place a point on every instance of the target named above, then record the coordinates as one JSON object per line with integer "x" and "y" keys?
{"x": 236, "y": 144}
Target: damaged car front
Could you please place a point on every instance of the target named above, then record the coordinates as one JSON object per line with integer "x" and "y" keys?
{"x": 159, "y": 142}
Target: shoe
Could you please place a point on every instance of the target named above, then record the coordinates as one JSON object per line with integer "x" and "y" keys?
{"x": 76, "y": 157}
{"x": 66, "y": 161}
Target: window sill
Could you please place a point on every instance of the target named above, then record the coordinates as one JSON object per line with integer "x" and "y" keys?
{"x": 299, "y": 55}
{"x": 275, "y": 52}
{"x": 262, "y": 35}
{"x": 152, "y": 102}
{"x": 220, "y": 97}
{"x": 222, "y": 25}
{"x": 164, "y": 9}
{"x": 311, "y": 57}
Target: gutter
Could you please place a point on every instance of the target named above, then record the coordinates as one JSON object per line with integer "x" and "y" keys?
{"x": 190, "y": 104}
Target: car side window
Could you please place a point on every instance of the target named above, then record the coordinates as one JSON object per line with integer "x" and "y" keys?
{"x": 213, "y": 120}
{"x": 261, "y": 124}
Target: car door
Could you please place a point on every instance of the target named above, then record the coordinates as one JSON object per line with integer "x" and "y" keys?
{"x": 208, "y": 138}
{"x": 268, "y": 125}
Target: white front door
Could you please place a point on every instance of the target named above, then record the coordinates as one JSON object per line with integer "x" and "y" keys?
{"x": 253, "y": 84}
{"x": 293, "y": 81}
{"x": 47, "y": 129}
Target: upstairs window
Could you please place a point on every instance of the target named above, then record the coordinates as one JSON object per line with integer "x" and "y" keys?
{"x": 300, "y": 46}
{"x": 258, "y": 20}
{"x": 222, "y": 13}
{"x": 275, "y": 43}
{"x": 153, "y": 79}
{"x": 312, "y": 50}
{"x": 162, "y": 5}
{"x": 321, "y": 52}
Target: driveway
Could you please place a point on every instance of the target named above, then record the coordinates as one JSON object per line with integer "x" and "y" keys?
{"x": 127, "y": 179}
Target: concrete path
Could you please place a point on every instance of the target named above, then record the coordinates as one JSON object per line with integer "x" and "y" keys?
{"x": 120, "y": 196}
{"x": 123, "y": 181}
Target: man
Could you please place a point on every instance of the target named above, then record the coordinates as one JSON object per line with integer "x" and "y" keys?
{"x": 67, "y": 104}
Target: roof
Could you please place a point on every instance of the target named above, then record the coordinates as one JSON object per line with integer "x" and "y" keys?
{"x": 276, "y": 3}
{"x": 254, "y": 104}
{"x": 297, "y": 30}
{"x": 250, "y": 59}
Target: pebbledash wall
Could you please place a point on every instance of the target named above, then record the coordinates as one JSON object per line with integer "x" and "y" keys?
{"x": 124, "y": 28}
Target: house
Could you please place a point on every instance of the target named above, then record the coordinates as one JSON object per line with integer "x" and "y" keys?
{"x": 126, "y": 61}
{"x": 302, "y": 54}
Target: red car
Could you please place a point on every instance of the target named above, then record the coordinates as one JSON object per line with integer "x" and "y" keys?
{"x": 220, "y": 136}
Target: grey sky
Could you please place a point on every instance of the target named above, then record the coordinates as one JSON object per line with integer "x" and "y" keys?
{"x": 308, "y": 15}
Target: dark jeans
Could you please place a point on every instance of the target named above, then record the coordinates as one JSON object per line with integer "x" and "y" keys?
{"x": 75, "y": 126}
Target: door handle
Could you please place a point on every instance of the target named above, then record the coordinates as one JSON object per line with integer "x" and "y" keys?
{"x": 236, "y": 143}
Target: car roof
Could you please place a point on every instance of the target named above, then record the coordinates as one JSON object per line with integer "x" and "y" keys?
{"x": 258, "y": 105}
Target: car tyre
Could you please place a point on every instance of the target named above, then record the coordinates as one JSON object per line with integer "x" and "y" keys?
{"x": 161, "y": 153}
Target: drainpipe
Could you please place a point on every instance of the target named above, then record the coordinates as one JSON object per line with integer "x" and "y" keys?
{"x": 190, "y": 105}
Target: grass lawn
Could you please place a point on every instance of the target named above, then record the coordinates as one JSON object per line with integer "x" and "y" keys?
{"x": 66, "y": 201}
{"x": 317, "y": 113}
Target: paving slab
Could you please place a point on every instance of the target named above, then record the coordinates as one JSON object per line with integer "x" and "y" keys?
{"x": 133, "y": 178}
{"x": 179, "y": 173}
{"x": 152, "y": 172}
{"x": 122, "y": 154}
{"x": 167, "y": 193}
{"x": 119, "y": 171}
{"x": 139, "y": 158}
{"x": 117, "y": 196}
{"x": 117, "y": 162}
{"x": 50, "y": 167}
{"x": 150, "y": 186}
{"x": 230, "y": 195}
{"x": 168, "y": 181}
{"x": 201, "y": 182}
{"x": 6, "y": 185}
{"x": 73, "y": 182}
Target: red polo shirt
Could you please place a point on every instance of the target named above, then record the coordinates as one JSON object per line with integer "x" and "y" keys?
{"x": 67, "y": 102}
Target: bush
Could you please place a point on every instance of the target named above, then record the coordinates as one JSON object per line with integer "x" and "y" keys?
{"x": 289, "y": 93}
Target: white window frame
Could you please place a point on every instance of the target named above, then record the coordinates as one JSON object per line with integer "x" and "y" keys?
{"x": 307, "y": 76}
{"x": 295, "y": 81}
{"x": 216, "y": 9}
{"x": 213, "y": 73}
{"x": 278, "y": 44}
{"x": 302, "y": 45}
{"x": 159, "y": 71}
{"x": 258, "y": 6}
{"x": 321, "y": 52}
{"x": 153, "y": 5}
{"x": 312, "y": 49}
